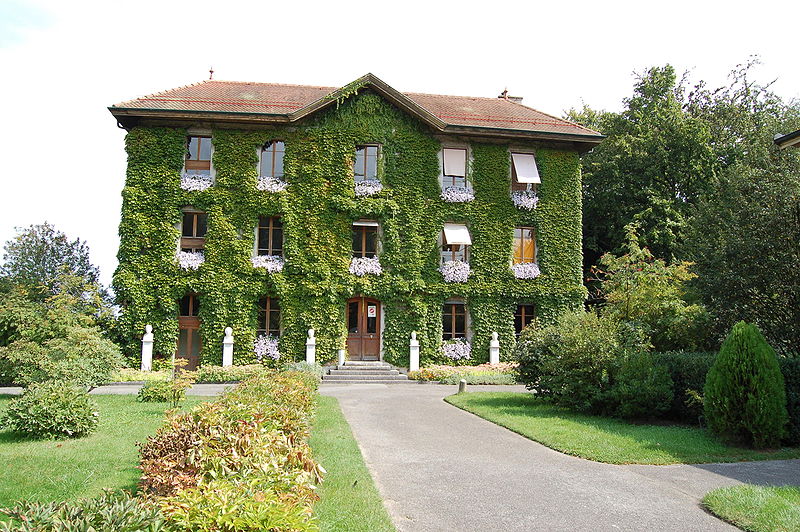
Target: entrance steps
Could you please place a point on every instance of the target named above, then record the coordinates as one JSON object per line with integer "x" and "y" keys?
{"x": 364, "y": 372}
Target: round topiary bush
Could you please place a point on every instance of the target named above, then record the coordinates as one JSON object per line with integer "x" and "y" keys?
{"x": 52, "y": 410}
{"x": 745, "y": 397}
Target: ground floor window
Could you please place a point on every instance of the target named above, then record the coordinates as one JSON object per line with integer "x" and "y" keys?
{"x": 269, "y": 316}
{"x": 454, "y": 320}
{"x": 522, "y": 317}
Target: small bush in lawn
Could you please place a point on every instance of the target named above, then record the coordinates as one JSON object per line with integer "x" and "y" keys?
{"x": 155, "y": 392}
{"x": 52, "y": 410}
{"x": 745, "y": 397}
{"x": 642, "y": 388}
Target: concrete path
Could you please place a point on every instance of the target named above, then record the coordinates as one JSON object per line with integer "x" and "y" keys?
{"x": 440, "y": 468}
{"x": 132, "y": 388}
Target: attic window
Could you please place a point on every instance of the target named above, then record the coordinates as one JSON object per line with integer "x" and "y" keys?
{"x": 524, "y": 171}
{"x": 454, "y": 167}
{"x": 198, "y": 156}
{"x": 365, "y": 166}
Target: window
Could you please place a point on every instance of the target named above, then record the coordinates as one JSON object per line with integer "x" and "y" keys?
{"x": 522, "y": 317}
{"x": 365, "y": 239}
{"x": 455, "y": 242}
{"x": 524, "y": 173}
{"x": 454, "y": 167}
{"x": 198, "y": 156}
{"x": 272, "y": 159}
{"x": 193, "y": 230}
{"x": 270, "y": 236}
{"x": 524, "y": 245}
{"x": 189, "y": 306}
{"x": 269, "y": 316}
{"x": 454, "y": 320}
{"x": 365, "y": 167}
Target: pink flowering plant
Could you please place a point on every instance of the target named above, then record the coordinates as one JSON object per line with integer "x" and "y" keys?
{"x": 271, "y": 184}
{"x": 457, "y": 349}
{"x": 457, "y": 195}
{"x": 526, "y": 270}
{"x": 196, "y": 182}
{"x": 190, "y": 260}
{"x": 361, "y": 266}
{"x": 525, "y": 199}
{"x": 366, "y": 188}
{"x": 271, "y": 263}
{"x": 266, "y": 348}
{"x": 454, "y": 271}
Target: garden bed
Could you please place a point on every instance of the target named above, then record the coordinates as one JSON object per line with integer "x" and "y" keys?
{"x": 502, "y": 373}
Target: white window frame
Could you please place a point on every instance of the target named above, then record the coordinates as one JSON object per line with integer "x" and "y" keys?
{"x": 467, "y": 164}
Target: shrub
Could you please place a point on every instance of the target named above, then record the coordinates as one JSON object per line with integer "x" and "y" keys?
{"x": 790, "y": 368}
{"x": 313, "y": 369}
{"x": 216, "y": 374}
{"x": 641, "y": 388}
{"x": 52, "y": 410}
{"x": 688, "y": 371}
{"x": 503, "y": 373}
{"x": 480, "y": 378}
{"x": 745, "y": 398}
{"x": 135, "y": 375}
{"x": 156, "y": 392}
{"x": 119, "y": 512}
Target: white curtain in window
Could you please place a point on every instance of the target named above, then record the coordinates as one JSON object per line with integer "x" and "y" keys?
{"x": 525, "y": 167}
{"x": 456, "y": 234}
{"x": 455, "y": 162}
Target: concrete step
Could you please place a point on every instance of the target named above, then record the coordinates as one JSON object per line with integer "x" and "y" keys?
{"x": 366, "y": 371}
{"x": 374, "y": 381}
{"x": 364, "y": 377}
{"x": 367, "y": 363}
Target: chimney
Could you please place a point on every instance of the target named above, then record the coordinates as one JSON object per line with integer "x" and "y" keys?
{"x": 505, "y": 96}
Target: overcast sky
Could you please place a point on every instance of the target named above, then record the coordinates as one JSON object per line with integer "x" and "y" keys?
{"x": 63, "y": 62}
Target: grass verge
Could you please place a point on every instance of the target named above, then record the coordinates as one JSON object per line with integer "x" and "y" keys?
{"x": 605, "y": 439}
{"x": 58, "y": 470}
{"x": 349, "y": 500}
{"x": 757, "y": 508}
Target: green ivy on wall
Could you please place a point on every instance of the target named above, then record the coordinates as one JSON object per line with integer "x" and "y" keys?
{"x": 317, "y": 210}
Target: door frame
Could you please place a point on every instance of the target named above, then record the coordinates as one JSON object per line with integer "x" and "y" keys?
{"x": 380, "y": 325}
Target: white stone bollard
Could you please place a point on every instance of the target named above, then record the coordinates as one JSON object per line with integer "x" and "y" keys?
{"x": 494, "y": 350}
{"x": 413, "y": 353}
{"x": 147, "y": 348}
{"x": 311, "y": 347}
{"x": 227, "y": 348}
{"x": 340, "y": 356}
{"x": 462, "y": 386}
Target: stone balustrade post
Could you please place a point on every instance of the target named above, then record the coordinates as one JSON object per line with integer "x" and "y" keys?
{"x": 413, "y": 353}
{"x": 311, "y": 347}
{"x": 494, "y": 349}
{"x": 147, "y": 348}
{"x": 227, "y": 348}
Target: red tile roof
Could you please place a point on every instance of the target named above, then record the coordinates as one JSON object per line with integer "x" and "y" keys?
{"x": 234, "y": 97}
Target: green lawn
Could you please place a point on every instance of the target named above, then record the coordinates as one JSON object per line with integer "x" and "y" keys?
{"x": 349, "y": 500}
{"x": 757, "y": 508}
{"x": 57, "y": 470}
{"x": 605, "y": 439}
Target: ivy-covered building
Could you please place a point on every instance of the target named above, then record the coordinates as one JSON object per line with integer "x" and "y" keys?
{"x": 361, "y": 212}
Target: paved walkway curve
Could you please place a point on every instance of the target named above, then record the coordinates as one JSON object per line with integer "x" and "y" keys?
{"x": 440, "y": 468}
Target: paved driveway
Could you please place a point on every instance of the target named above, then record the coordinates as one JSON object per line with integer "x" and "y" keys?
{"x": 440, "y": 468}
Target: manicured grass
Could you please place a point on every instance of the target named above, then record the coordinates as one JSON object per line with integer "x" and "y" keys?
{"x": 757, "y": 508}
{"x": 605, "y": 439}
{"x": 57, "y": 470}
{"x": 349, "y": 500}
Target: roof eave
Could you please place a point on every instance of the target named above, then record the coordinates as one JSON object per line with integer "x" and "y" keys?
{"x": 589, "y": 141}
{"x": 789, "y": 140}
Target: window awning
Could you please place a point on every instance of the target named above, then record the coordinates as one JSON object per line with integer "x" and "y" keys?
{"x": 525, "y": 168}
{"x": 365, "y": 223}
{"x": 456, "y": 234}
{"x": 455, "y": 162}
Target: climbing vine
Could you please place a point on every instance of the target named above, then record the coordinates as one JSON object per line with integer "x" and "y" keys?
{"x": 317, "y": 210}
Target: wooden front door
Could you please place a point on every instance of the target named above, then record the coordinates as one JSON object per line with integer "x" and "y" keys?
{"x": 189, "y": 331}
{"x": 363, "y": 328}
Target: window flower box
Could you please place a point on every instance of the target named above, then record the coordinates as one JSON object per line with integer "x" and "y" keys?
{"x": 526, "y": 270}
{"x": 271, "y": 184}
{"x": 525, "y": 199}
{"x": 271, "y": 263}
{"x": 266, "y": 347}
{"x": 368, "y": 187}
{"x": 190, "y": 260}
{"x": 361, "y": 266}
{"x": 458, "y": 349}
{"x": 196, "y": 182}
{"x": 455, "y": 271}
{"x": 457, "y": 195}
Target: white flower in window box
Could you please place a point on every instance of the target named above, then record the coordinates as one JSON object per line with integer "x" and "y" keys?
{"x": 271, "y": 263}
{"x": 271, "y": 184}
{"x": 457, "y": 195}
{"x": 526, "y": 270}
{"x": 190, "y": 260}
{"x": 266, "y": 347}
{"x": 458, "y": 349}
{"x": 196, "y": 182}
{"x": 454, "y": 271}
{"x": 361, "y": 266}
{"x": 368, "y": 187}
{"x": 525, "y": 199}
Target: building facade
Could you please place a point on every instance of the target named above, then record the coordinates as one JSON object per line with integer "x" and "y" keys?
{"x": 361, "y": 212}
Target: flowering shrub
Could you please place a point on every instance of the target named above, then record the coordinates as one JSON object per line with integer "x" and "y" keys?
{"x": 457, "y": 349}
{"x": 445, "y": 373}
{"x": 454, "y": 271}
{"x": 370, "y": 187}
{"x": 271, "y": 184}
{"x": 272, "y": 263}
{"x": 266, "y": 347}
{"x": 190, "y": 260}
{"x": 361, "y": 266}
{"x": 457, "y": 195}
{"x": 526, "y": 270}
{"x": 196, "y": 182}
{"x": 525, "y": 199}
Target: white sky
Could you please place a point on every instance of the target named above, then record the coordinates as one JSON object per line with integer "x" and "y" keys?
{"x": 63, "y": 62}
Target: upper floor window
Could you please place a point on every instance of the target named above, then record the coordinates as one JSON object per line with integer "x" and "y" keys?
{"x": 524, "y": 172}
{"x": 198, "y": 156}
{"x": 269, "y": 316}
{"x": 523, "y": 316}
{"x": 365, "y": 166}
{"x": 365, "y": 239}
{"x": 524, "y": 245}
{"x": 270, "y": 236}
{"x": 454, "y": 167}
{"x": 189, "y": 306}
{"x": 193, "y": 230}
{"x": 272, "y": 159}
{"x": 455, "y": 242}
{"x": 454, "y": 320}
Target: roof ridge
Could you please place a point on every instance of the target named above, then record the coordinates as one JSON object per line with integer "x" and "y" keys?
{"x": 454, "y": 96}
{"x": 272, "y": 84}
